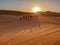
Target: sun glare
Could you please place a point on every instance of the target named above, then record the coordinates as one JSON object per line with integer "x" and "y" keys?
{"x": 36, "y": 9}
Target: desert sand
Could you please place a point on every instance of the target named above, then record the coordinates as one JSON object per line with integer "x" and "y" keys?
{"x": 41, "y": 30}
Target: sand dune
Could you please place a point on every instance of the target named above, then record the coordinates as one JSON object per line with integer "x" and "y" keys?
{"x": 41, "y": 30}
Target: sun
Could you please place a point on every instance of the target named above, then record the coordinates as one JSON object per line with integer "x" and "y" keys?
{"x": 36, "y": 9}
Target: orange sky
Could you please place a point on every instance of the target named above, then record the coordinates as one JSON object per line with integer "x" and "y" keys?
{"x": 28, "y": 5}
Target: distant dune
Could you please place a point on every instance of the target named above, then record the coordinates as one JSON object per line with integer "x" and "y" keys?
{"x": 10, "y": 12}
{"x": 19, "y": 13}
{"x": 49, "y": 13}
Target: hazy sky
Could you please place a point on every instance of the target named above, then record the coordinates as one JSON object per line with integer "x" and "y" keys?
{"x": 27, "y": 5}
